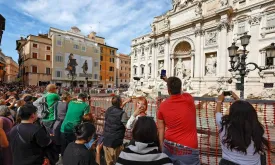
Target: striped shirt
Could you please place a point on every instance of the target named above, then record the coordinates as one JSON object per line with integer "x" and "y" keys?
{"x": 143, "y": 154}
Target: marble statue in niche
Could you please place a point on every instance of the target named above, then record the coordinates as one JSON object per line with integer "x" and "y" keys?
{"x": 161, "y": 67}
{"x": 211, "y": 65}
{"x": 161, "y": 49}
{"x": 179, "y": 68}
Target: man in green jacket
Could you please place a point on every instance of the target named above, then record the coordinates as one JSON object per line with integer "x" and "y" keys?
{"x": 52, "y": 98}
{"x": 76, "y": 110}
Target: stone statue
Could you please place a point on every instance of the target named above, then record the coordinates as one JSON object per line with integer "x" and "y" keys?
{"x": 153, "y": 28}
{"x": 175, "y": 4}
{"x": 224, "y": 2}
{"x": 198, "y": 9}
{"x": 161, "y": 49}
{"x": 211, "y": 65}
{"x": 179, "y": 67}
{"x": 166, "y": 23}
{"x": 187, "y": 84}
{"x": 161, "y": 67}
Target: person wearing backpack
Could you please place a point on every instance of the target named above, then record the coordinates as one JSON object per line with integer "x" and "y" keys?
{"x": 76, "y": 110}
{"x": 46, "y": 106}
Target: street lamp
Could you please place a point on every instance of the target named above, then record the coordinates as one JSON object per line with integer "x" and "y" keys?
{"x": 238, "y": 61}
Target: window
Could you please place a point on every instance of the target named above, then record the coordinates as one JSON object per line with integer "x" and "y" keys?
{"x": 96, "y": 64}
{"x": 112, "y": 52}
{"x": 150, "y": 69}
{"x": 100, "y": 77}
{"x": 151, "y": 50}
{"x": 110, "y": 78}
{"x": 76, "y": 46}
{"x": 120, "y": 75}
{"x": 268, "y": 85}
{"x": 58, "y": 74}
{"x": 48, "y": 57}
{"x": 96, "y": 50}
{"x": 34, "y": 55}
{"x": 125, "y": 80}
{"x": 35, "y": 45}
{"x": 120, "y": 80}
{"x": 95, "y": 76}
{"x": 48, "y": 70}
{"x": 142, "y": 50}
{"x": 269, "y": 61}
{"x": 135, "y": 51}
{"x": 241, "y": 27}
{"x": 101, "y": 58}
{"x": 58, "y": 43}
{"x": 111, "y": 68}
{"x": 58, "y": 58}
{"x": 135, "y": 71}
{"x": 270, "y": 22}
{"x": 48, "y": 48}
{"x": 142, "y": 70}
{"x": 83, "y": 48}
{"x": 101, "y": 49}
{"x": 34, "y": 69}
{"x": 121, "y": 68}
{"x": 100, "y": 67}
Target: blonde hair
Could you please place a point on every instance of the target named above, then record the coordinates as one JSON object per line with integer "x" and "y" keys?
{"x": 50, "y": 87}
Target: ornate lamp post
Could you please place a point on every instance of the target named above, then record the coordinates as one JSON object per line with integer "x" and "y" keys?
{"x": 238, "y": 61}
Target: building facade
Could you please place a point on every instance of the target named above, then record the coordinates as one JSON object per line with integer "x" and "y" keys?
{"x": 75, "y": 52}
{"x": 35, "y": 59}
{"x": 12, "y": 69}
{"x": 2, "y": 66}
{"x": 123, "y": 70}
{"x": 190, "y": 41}
{"x": 107, "y": 66}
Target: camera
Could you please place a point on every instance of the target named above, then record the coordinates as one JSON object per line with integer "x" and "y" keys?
{"x": 162, "y": 74}
{"x": 227, "y": 93}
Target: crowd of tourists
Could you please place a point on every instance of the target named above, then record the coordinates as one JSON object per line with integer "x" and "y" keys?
{"x": 41, "y": 126}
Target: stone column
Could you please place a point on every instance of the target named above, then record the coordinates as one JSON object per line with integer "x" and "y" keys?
{"x": 253, "y": 46}
{"x": 172, "y": 66}
{"x": 192, "y": 63}
{"x": 197, "y": 69}
{"x": 222, "y": 55}
{"x": 167, "y": 55}
{"x": 154, "y": 59}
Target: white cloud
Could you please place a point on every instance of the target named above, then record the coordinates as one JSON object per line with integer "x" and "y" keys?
{"x": 120, "y": 20}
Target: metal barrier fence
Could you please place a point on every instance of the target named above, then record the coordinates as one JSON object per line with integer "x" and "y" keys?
{"x": 208, "y": 136}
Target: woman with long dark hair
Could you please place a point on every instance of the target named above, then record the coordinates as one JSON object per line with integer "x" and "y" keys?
{"x": 76, "y": 152}
{"x": 144, "y": 148}
{"x": 241, "y": 134}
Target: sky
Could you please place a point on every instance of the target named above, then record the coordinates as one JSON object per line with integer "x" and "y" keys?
{"x": 118, "y": 21}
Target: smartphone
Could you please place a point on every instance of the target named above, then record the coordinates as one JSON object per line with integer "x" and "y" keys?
{"x": 227, "y": 93}
{"x": 100, "y": 140}
{"x": 162, "y": 74}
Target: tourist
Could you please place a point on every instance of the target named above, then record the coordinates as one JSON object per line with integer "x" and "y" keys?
{"x": 140, "y": 110}
{"x": 6, "y": 123}
{"x": 28, "y": 140}
{"x": 114, "y": 130}
{"x": 76, "y": 153}
{"x": 177, "y": 125}
{"x": 144, "y": 148}
{"x": 76, "y": 110}
{"x": 241, "y": 134}
{"x": 52, "y": 98}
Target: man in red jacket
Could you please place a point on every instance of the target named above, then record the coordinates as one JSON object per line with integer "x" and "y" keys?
{"x": 177, "y": 125}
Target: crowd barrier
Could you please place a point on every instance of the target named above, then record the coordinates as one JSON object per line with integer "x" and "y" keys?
{"x": 208, "y": 133}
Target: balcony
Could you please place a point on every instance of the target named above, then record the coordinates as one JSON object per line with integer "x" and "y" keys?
{"x": 271, "y": 70}
{"x": 267, "y": 30}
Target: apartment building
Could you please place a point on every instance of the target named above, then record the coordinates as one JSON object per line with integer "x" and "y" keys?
{"x": 2, "y": 66}
{"x": 123, "y": 70}
{"x": 74, "y": 51}
{"x": 35, "y": 59}
{"x": 12, "y": 69}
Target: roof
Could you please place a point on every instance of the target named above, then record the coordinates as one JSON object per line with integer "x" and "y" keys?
{"x": 107, "y": 46}
{"x": 100, "y": 37}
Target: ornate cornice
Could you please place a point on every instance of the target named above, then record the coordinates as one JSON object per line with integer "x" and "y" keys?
{"x": 255, "y": 20}
{"x": 223, "y": 25}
